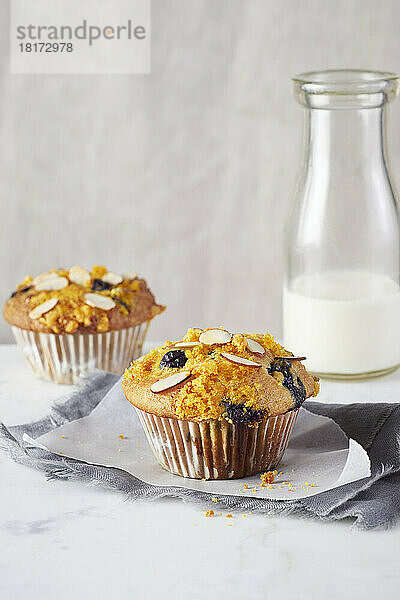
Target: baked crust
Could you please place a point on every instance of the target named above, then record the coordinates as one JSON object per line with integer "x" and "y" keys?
{"x": 72, "y": 315}
{"x": 200, "y": 397}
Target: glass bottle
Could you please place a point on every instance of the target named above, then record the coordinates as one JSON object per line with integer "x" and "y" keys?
{"x": 341, "y": 297}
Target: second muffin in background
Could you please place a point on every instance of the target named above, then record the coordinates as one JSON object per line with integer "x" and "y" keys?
{"x": 216, "y": 405}
{"x": 69, "y": 321}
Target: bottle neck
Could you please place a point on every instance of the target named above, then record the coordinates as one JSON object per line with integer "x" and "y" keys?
{"x": 345, "y": 143}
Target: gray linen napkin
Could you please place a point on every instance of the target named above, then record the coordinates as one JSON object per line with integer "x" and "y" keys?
{"x": 372, "y": 502}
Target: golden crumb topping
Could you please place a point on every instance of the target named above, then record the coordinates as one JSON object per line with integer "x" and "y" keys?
{"x": 213, "y": 380}
{"x": 79, "y": 297}
{"x": 316, "y": 386}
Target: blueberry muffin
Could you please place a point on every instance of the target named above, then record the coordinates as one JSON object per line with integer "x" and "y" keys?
{"x": 69, "y": 321}
{"x": 217, "y": 405}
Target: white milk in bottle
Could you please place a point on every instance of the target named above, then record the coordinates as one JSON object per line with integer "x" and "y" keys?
{"x": 344, "y": 322}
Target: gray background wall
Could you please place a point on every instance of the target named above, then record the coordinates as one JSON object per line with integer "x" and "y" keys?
{"x": 183, "y": 175}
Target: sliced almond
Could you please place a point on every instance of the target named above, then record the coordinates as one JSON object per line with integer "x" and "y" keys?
{"x": 255, "y": 347}
{"x": 43, "y": 308}
{"x": 292, "y": 357}
{"x": 80, "y": 276}
{"x": 130, "y": 275}
{"x": 98, "y": 301}
{"x": 239, "y": 360}
{"x": 112, "y": 278}
{"x": 185, "y": 345}
{"x": 52, "y": 283}
{"x": 215, "y": 336}
{"x": 170, "y": 382}
{"x": 42, "y": 276}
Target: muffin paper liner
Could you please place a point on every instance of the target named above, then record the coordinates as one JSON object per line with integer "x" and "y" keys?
{"x": 64, "y": 358}
{"x": 217, "y": 449}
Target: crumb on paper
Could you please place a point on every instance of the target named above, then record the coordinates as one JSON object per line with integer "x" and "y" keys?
{"x": 121, "y": 437}
{"x": 245, "y": 486}
{"x": 268, "y": 477}
{"x": 308, "y": 485}
{"x": 214, "y": 499}
{"x": 209, "y": 513}
{"x": 63, "y": 437}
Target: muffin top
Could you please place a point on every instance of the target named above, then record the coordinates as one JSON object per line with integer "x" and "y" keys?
{"x": 213, "y": 374}
{"x": 74, "y": 300}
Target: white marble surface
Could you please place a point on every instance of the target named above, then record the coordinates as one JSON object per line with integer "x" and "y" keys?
{"x": 64, "y": 540}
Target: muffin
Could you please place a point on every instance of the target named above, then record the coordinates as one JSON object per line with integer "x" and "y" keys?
{"x": 69, "y": 321}
{"x": 217, "y": 405}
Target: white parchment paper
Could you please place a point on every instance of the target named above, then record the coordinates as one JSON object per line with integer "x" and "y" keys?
{"x": 319, "y": 457}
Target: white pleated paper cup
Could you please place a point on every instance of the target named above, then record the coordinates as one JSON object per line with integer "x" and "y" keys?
{"x": 217, "y": 449}
{"x": 65, "y": 358}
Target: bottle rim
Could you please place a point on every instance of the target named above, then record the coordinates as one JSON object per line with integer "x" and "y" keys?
{"x": 343, "y": 88}
{"x": 345, "y": 81}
